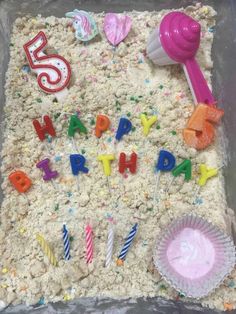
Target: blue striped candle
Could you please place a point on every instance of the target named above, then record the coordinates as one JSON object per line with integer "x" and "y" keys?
{"x": 126, "y": 246}
{"x": 66, "y": 243}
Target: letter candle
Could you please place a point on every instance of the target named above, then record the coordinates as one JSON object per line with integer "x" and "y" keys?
{"x": 185, "y": 168}
{"x": 48, "y": 173}
{"x": 77, "y": 163}
{"x": 74, "y": 125}
{"x": 124, "y": 128}
{"x": 147, "y": 123}
{"x": 43, "y": 129}
{"x": 106, "y": 161}
{"x": 128, "y": 164}
{"x": 102, "y": 125}
{"x": 205, "y": 174}
{"x": 21, "y": 182}
{"x": 166, "y": 162}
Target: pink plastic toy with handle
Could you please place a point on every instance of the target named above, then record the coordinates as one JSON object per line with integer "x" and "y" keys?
{"x": 177, "y": 41}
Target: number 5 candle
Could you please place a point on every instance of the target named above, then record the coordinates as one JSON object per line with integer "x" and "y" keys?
{"x": 200, "y": 130}
{"x": 53, "y": 71}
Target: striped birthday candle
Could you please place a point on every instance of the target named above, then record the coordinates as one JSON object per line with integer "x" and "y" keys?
{"x": 46, "y": 249}
{"x": 110, "y": 242}
{"x": 66, "y": 243}
{"x": 128, "y": 241}
{"x": 89, "y": 243}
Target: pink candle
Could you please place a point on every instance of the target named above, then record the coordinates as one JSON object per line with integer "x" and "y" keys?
{"x": 89, "y": 243}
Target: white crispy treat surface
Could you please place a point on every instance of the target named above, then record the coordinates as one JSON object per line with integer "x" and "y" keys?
{"x": 115, "y": 83}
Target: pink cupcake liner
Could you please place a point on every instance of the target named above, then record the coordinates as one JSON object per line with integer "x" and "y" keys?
{"x": 194, "y": 256}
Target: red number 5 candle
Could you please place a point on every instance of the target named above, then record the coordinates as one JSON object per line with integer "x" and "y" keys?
{"x": 53, "y": 71}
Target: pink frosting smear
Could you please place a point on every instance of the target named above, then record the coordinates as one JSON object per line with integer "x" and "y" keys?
{"x": 191, "y": 253}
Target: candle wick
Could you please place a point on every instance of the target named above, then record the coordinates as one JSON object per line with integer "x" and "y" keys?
{"x": 108, "y": 185}
{"x": 195, "y": 194}
{"x": 74, "y": 144}
{"x": 47, "y": 147}
{"x": 156, "y": 186}
{"x": 26, "y": 197}
{"x": 53, "y": 184}
{"x": 77, "y": 179}
{"x": 170, "y": 183}
{"x": 222, "y": 166}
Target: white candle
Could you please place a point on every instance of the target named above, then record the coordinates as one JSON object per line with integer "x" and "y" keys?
{"x": 110, "y": 242}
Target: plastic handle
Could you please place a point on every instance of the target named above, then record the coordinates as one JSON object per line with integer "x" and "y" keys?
{"x": 197, "y": 83}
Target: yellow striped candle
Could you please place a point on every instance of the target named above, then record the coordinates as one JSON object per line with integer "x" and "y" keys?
{"x": 46, "y": 249}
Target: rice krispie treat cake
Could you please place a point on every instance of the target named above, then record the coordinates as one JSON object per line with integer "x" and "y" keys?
{"x": 117, "y": 83}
